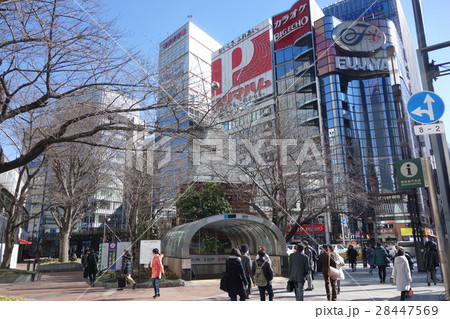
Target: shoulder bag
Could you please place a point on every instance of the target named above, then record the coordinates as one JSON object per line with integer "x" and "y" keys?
{"x": 224, "y": 282}
{"x": 333, "y": 273}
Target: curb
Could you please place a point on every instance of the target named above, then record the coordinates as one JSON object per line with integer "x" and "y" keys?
{"x": 21, "y": 278}
{"x": 109, "y": 285}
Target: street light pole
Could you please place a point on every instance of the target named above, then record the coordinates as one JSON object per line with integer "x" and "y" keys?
{"x": 438, "y": 148}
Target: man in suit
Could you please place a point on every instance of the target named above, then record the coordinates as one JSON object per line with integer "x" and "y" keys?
{"x": 324, "y": 262}
{"x": 298, "y": 269}
{"x": 247, "y": 265}
{"x": 312, "y": 257}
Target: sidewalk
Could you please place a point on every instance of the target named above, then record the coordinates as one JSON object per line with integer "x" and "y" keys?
{"x": 358, "y": 286}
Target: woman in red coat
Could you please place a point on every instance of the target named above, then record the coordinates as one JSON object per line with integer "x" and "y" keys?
{"x": 157, "y": 270}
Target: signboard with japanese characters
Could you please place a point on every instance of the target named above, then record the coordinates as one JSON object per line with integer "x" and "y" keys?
{"x": 291, "y": 25}
{"x": 243, "y": 68}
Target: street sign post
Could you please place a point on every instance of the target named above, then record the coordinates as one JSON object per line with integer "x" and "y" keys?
{"x": 425, "y": 107}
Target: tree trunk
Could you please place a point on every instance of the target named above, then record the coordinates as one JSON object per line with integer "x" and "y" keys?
{"x": 64, "y": 237}
{"x": 10, "y": 235}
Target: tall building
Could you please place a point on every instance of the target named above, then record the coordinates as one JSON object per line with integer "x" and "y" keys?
{"x": 185, "y": 102}
{"x": 367, "y": 72}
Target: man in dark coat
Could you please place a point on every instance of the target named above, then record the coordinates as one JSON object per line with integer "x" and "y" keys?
{"x": 431, "y": 263}
{"x": 247, "y": 265}
{"x": 127, "y": 267}
{"x": 312, "y": 257}
{"x": 352, "y": 256}
{"x": 324, "y": 262}
{"x": 236, "y": 277}
{"x": 298, "y": 269}
{"x": 91, "y": 265}
{"x": 268, "y": 274}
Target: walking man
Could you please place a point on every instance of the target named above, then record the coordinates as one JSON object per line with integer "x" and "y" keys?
{"x": 324, "y": 262}
{"x": 312, "y": 257}
{"x": 262, "y": 273}
{"x": 352, "y": 256}
{"x": 127, "y": 267}
{"x": 247, "y": 265}
{"x": 298, "y": 269}
{"x": 91, "y": 264}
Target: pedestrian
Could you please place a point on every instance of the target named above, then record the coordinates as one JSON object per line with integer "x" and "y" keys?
{"x": 371, "y": 259}
{"x": 91, "y": 264}
{"x": 324, "y": 262}
{"x": 431, "y": 263}
{"x": 85, "y": 265}
{"x": 401, "y": 274}
{"x": 262, "y": 273}
{"x": 298, "y": 269}
{"x": 339, "y": 264}
{"x": 408, "y": 257}
{"x": 266, "y": 257}
{"x": 247, "y": 265}
{"x": 236, "y": 277}
{"x": 364, "y": 256}
{"x": 352, "y": 256}
{"x": 312, "y": 258}
{"x": 127, "y": 267}
{"x": 157, "y": 271}
{"x": 381, "y": 258}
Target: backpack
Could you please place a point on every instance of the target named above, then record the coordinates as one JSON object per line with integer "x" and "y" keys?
{"x": 260, "y": 279}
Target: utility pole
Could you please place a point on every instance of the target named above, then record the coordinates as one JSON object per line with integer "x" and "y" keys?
{"x": 438, "y": 146}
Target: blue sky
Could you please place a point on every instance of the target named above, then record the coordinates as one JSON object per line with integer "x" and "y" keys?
{"x": 152, "y": 21}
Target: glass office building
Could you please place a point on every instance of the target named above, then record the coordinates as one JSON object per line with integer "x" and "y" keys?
{"x": 363, "y": 92}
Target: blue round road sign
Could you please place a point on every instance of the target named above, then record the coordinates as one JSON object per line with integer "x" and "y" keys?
{"x": 425, "y": 107}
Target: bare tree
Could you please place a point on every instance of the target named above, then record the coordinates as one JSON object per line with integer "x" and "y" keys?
{"x": 280, "y": 172}
{"x": 54, "y": 50}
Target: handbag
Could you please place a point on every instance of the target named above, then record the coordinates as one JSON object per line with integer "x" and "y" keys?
{"x": 333, "y": 273}
{"x": 410, "y": 293}
{"x": 224, "y": 282}
{"x": 290, "y": 286}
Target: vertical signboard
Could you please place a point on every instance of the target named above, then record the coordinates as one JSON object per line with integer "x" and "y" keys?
{"x": 409, "y": 173}
{"x": 243, "y": 68}
{"x": 112, "y": 255}
{"x": 291, "y": 25}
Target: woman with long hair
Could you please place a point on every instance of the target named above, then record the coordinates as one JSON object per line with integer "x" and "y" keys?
{"x": 401, "y": 274}
{"x": 236, "y": 277}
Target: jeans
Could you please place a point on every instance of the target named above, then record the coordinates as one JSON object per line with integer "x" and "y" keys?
{"x": 431, "y": 275}
{"x": 156, "y": 285}
{"x": 298, "y": 290}
{"x": 382, "y": 273}
{"x": 262, "y": 292}
{"x": 309, "y": 279}
{"x": 92, "y": 276}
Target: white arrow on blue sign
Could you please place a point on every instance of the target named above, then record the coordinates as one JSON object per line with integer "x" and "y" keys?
{"x": 425, "y": 107}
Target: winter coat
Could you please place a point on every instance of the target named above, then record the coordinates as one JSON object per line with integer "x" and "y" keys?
{"x": 312, "y": 257}
{"x": 247, "y": 265}
{"x": 266, "y": 268}
{"x": 91, "y": 263}
{"x": 127, "y": 263}
{"x": 157, "y": 266}
{"x": 379, "y": 256}
{"x": 352, "y": 255}
{"x": 371, "y": 256}
{"x": 324, "y": 262}
{"x": 298, "y": 266}
{"x": 237, "y": 280}
{"x": 431, "y": 259}
{"x": 401, "y": 273}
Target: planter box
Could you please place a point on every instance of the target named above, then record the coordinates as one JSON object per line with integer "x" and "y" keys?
{"x": 60, "y": 267}
{"x": 21, "y": 278}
